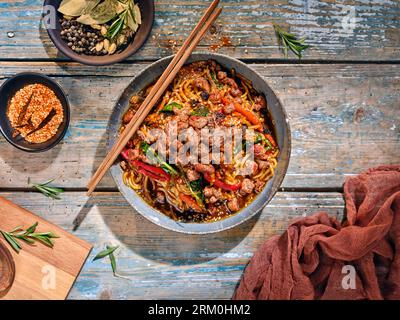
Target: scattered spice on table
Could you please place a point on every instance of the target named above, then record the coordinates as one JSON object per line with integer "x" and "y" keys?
{"x": 35, "y": 113}
{"x": 29, "y": 236}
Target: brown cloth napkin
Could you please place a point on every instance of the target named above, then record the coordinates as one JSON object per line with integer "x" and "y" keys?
{"x": 313, "y": 258}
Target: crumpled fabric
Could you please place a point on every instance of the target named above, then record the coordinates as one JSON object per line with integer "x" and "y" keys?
{"x": 320, "y": 258}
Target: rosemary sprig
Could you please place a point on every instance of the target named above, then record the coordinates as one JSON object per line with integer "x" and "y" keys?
{"x": 109, "y": 251}
{"x": 48, "y": 191}
{"x": 290, "y": 41}
{"x": 117, "y": 26}
{"x": 29, "y": 236}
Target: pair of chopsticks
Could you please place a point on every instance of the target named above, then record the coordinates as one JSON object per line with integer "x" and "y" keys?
{"x": 158, "y": 89}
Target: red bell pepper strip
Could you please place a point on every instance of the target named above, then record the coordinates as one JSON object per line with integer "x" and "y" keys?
{"x": 153, "y": 172}
{"x": 190, "y": 202}
{"x": 220, "y": 184}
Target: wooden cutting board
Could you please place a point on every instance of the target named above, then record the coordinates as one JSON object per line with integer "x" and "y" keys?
{"x": 42, "y": 272}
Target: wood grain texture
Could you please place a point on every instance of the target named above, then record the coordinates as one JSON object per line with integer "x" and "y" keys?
{"x": 162, "y": 264}
{"x": 344, "y": 119}
{"x": 336, "y": 30}
{"x": 64, "y": 261}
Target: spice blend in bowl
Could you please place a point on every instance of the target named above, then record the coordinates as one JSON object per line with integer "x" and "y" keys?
{"x": 34, "y": 112}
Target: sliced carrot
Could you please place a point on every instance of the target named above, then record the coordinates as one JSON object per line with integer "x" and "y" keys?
{"x": 253, "y": 119}
{"x": 190, "y": 202}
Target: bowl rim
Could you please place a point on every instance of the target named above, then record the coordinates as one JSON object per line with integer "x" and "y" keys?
{"x": 66, "y": 108}
{"x": 89, "y": 60}
{"x": 273, "y": 189}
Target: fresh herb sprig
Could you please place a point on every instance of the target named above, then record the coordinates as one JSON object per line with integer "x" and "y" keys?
{"x": 121, "y": 21}
{"x": 47, "y": 190}
{"x": 290, "y": 41}
{"x": 109, "y": 252}
{"x": 29, "y": 236}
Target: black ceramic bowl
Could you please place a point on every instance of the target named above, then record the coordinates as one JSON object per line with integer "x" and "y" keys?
{"x": 147, "y": 11}
{"x": 278, "y": 114}
{"x": 7, "y": 91}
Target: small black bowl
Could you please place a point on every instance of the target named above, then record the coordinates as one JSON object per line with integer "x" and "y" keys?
{"x": 147, "y": 11}
{"x": 8, "y": 90}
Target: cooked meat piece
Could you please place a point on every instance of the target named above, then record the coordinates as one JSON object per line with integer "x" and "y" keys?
{"x": 229, "y": 108}
{"x": 215, "y": 96}
{"x": 160, "y": 197}
{"x": 192, "y": 175}
{"x": 208, "y": 192}
{"x": 259, "y": 185}
{"x": 213, "y": 199}
{"x": 182, "y": 125}
{"x": 259, "y": 152}
{"x": 204, "y": 168}
{"x": 235, "y": 92}
{"x": 221, "y": 75}
{"x": 259, "y": 103}
{"x": 198, "y": 122}
{"x": 230, "y": 82}
{"x": 217, "y": 193}
{"x": 233, "y": 204}
{"x": 133, "y": 154}
{"x": 212, "y": 192}
{"x": 263, "y": 164}
{"x": 213, "y": 65}
{"x": 134, "y": 100}
{"x": 202, "y": 84}
{"x": 251, "y": 167}
{"x": 247, "y": 186}
{"x": 219, "y": 117}
{"x": 128, "y": 116}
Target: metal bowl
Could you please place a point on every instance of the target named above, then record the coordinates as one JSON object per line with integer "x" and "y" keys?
{"x": 147, "y": 10}
{"x": 278, "y": 114}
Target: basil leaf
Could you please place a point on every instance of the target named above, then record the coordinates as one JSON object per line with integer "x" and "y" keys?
{"x": 170, "y": 107}
{"x": 201, "y": 111}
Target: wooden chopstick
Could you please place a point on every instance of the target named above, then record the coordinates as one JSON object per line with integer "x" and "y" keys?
{"x": 158, "y": 89}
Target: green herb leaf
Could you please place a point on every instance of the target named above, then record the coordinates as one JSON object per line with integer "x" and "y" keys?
{"x": 28, "y": 236}
{"x": 201, "y": 111}
{"x": 113, "y": 261}
{"x": 12, "y": 241}
{"x": 105, "y": 253}
{"x": 214, "y": 78}
{"x": 290, "y": 41}
{"x": 48, "y": 191}
{"x": 170, "y": 107}
{"x": 152, "y": 155}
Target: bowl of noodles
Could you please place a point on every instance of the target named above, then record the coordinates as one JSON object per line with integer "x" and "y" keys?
{"x": 212, "y": 152}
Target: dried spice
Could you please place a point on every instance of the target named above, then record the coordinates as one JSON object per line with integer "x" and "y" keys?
{"x": 35, "y": 113}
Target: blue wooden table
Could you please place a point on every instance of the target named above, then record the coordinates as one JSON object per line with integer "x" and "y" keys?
{"x": 343, "y": 102}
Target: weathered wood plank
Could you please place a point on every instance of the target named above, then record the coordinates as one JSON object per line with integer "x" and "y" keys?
{"x": 350, "y": 30}
{"x": 164, "y": 264}
{"x": 344, "y": 119}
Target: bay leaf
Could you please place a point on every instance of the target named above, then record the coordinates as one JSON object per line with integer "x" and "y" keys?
{"x": 73, "y": 8}
{"x": 138, "y": 15}
{"x": 104, "y": 12}
{"x": 87, "y": 19}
